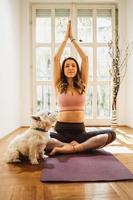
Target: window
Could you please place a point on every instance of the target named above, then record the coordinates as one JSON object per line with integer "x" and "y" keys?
{"x": 94, "y": 28}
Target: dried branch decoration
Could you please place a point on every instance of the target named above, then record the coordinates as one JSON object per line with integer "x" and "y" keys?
{"x": 118, "y": 66}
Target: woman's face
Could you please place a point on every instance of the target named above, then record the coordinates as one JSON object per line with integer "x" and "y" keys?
{"x": 70, "y": 68}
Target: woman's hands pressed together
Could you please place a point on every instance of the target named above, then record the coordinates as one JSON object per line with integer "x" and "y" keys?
{"x": 69, "y": 32}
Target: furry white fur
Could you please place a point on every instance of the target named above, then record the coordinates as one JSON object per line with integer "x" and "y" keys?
{"x": 31, "y": 143}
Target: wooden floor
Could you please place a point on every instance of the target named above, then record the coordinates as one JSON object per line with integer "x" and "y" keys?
{"x": 21, "y": 182}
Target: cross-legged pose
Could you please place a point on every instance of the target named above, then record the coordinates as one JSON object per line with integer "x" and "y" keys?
{"x": 70, "y": 82}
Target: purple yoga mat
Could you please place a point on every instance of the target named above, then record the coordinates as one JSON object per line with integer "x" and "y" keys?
{"x": 87, "y": 167}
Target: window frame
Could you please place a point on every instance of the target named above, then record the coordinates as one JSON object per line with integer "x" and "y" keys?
{"x": 73, "y": 15}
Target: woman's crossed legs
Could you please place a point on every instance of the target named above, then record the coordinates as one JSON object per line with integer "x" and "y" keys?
{"x": 71, "y": 143}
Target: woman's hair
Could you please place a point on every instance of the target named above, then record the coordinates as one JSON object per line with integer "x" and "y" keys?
{"x": 77, "y": 82}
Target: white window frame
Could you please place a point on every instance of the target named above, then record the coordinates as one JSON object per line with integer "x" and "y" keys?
{"x": 73, "y": 15}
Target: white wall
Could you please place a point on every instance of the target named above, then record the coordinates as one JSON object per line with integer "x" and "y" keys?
{"x": 26, "y": 104}
{"x": 121, "y": 103}
{"x": 10, "y": 95}
{"x": 129, "y": 85}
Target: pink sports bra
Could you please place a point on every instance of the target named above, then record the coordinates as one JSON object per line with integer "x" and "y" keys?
{"x": 69, "y": 102}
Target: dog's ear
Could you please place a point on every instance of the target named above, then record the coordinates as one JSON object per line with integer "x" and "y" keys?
{"x": 36, "y": 117}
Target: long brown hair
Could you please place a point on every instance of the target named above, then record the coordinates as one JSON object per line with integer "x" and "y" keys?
{"x": 77, "y": 82}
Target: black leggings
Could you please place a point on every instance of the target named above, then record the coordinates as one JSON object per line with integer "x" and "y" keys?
{"x": 67, "y": 132}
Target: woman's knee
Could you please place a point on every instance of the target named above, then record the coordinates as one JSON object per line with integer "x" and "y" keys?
{"x": 111, "y": 136}
{"x": 54, "y": 135}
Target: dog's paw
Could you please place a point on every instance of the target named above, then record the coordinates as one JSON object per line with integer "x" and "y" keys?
{"x": 34, "y": 162}
{"x": 16, "y": 161}
{"x": 13, "y": 161}
{"x": 44, "y": 156}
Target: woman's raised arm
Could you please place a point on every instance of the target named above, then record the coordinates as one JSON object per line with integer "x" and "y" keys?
{"x": 57, "y": 57}
{"x": 84, "y": 57}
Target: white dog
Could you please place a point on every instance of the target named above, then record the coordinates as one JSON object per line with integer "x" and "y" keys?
{"x": 31, "y": 143}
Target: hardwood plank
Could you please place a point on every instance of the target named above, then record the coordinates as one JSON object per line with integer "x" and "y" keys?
{"x": 124, "y": 190}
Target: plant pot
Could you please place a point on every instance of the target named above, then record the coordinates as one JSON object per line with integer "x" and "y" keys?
{"x": 114, "y": 119}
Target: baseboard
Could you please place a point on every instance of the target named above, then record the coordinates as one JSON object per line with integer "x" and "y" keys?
{"x": 26, "y": 126}
{"x": 12, "y": 132}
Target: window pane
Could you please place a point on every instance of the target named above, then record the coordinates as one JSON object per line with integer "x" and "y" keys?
{"x": 44, "y": 98}
{"x": 103, "y": 101}
{"x": 103, "y": 63}
{"x": 43, "y": 63}
{"x": 104, "y": 25}
{"x": 85, "y": 25}
{"x": 89, "y": 102}
{"x": 43, "y": 26}
{"x": 61, "y": 21}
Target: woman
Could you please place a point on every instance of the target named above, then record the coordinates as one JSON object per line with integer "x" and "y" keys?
{"x": 71, "y": 85}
